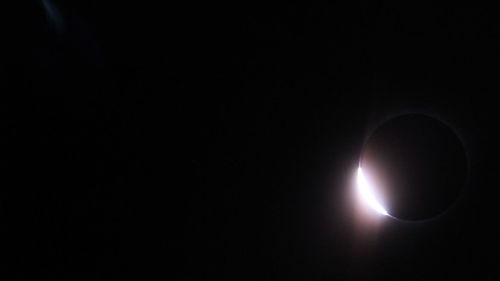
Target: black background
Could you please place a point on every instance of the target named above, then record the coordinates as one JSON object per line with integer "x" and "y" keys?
{"x": 217, "y": 141}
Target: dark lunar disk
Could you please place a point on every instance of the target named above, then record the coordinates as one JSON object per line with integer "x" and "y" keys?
{"x": 417, "y": 163}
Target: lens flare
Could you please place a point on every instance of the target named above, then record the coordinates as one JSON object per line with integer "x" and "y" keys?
{"x": 366, "y": 193}
{"x": 53, "y": 14}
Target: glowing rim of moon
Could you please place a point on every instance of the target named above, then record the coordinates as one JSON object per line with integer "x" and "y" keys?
{"x": 367, "y": 194}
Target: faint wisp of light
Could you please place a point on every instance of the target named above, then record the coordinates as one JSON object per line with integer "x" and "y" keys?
{"x": 366, "y": 193}
{"x": 53, "y": 14}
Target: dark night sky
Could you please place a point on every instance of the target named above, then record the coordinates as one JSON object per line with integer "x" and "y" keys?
{"x": 218, "y": 142}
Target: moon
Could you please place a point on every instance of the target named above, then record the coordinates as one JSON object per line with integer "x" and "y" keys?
{"x": 367, "y": 194}
{"x": 417, "y": 163}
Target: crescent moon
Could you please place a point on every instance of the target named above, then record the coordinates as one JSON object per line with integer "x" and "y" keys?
{"x": 366, "y": 193}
